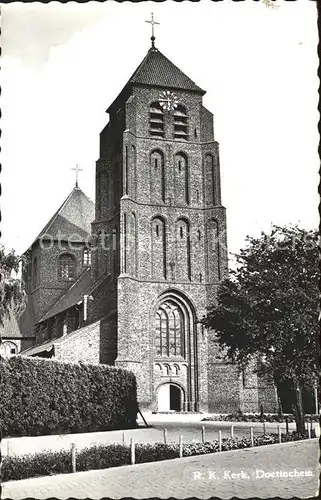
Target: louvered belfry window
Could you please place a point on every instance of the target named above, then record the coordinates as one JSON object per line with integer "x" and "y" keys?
{"x": 156, "y": 120}
{"x": 180, "y": 123}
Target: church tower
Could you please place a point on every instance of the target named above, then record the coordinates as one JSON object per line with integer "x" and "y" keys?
{"x": 160, "y": 230}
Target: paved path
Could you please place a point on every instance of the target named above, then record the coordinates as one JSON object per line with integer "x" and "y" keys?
{"x": 192, "y": 476}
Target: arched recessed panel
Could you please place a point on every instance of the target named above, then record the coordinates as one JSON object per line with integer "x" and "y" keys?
{"x": 158, "y": 241}
{"x": 183, "y": 249}
{"x": 213, "y": 251}
{"x": 133, "y": 173}
{"x": 181, "y": 181}
{"x": 209, "y": 180}
{"x": 157, "y": 176}
{"x": 132, "y": 244}
{"x": 35, "y": 272}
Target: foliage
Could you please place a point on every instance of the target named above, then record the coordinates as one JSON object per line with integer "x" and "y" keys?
{"x": 268, "y": 308}
{"x": 41, "y": 396}
{"x": 114, "y": 455}
{"x": 12, "y": 295}
{"x": 257, "y": 417}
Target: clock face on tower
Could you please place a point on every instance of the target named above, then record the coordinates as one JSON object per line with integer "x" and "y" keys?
{"x": 168, "y": 100}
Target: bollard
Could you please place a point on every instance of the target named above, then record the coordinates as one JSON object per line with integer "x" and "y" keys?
{"x": 165, "y": 436}
{"x": 279, "y": 434}
{"x": 252, "y": 436}
{"x": 123, "y": 438}
{"x": 232, "y": 431}
{"x": 220, "y": 440}
{"x": 180, "y": 446}
{"x": 132, "y": 451}
{"x": 203, "y": 434}
{"x": 309, "y": 429}
{"x": 73, "y": 457}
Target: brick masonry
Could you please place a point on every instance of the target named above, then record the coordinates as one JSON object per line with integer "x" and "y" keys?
{"x": 159, "y": 235}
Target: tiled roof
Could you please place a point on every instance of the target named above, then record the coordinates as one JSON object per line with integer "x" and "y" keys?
{"x": 73, "y": 295}
{"x": 37, "y": 349}
{"x": 85, "y": 285}
{"x": 74, "y": 218}
{"x": 157, "y": 70}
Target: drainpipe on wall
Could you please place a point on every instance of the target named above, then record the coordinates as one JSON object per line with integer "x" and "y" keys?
{"x": 86, "y": 298}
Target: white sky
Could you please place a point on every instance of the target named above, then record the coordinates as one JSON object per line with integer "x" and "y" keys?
{"x": 63, "y": 64}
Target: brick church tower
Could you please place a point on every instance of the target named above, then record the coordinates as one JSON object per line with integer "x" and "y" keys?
{"x": 161, "y": 232}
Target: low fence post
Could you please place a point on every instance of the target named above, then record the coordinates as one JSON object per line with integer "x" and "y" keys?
{"x": 264, "y": 428}
{"x": 287, "y": 424}
{"x": 279, "y": 434}
{"x": 8, "y": 448}
{"x": 252, "y": 436}
{"x": 220, "y": 440}
{"x": 165, "y": 436}
{"x": 180, "y": 446}
{"x": 232, "y": 431}
{"x": 132, "y": 451}
{"x": 123, "y": 438}
{"x": 73, "y": 457}
{"x": 203, "y": 434}
{"x": 309, "y": 428}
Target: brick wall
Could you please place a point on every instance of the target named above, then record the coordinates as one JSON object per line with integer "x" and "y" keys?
{"x": 81, "y": 345}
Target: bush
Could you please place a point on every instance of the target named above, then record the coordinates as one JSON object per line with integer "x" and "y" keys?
{"x": 41, "y": 396}
{"x": 257, "y": 417}
{"x": 114, "y": 455}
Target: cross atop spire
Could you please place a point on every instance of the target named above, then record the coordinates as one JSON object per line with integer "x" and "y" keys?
{"x": 77, "y": 169}
{"x": 152, "y": 22}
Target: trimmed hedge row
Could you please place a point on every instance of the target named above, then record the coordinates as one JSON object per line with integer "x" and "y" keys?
{"x": 257, "y": 417}
{"x": 114, "y": 455}
{"x": 41, "y": 396}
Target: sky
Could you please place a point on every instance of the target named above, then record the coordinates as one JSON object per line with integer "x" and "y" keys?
{"x": 63, "y": 64}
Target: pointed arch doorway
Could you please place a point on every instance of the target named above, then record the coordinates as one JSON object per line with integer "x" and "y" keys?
{"x": 170, "y": 397}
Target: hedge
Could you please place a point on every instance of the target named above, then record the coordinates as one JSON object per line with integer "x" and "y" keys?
{"x": 114, "y": 455}
{"x": 257, "y": 417}
{"x": 41, "y": 396}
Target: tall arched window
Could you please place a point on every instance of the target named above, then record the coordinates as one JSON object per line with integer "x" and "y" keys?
{"x": 156, "y": 120}
{"x": 169, "y": 330}
{"x": 180, "y": 123}
{"x": 86, "y": 257}
{"x": 157, "y": 176}
{"x": 67, "y": 267}
{"x": 181, "y": 178}
{"x": 158, "y": 257}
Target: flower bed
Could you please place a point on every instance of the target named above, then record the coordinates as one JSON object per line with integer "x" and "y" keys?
{"x": 257, "y": 417}
{"x": 115, "y": 455}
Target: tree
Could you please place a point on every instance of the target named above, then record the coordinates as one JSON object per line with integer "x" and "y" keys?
{"x": 12, "y": 295}
{"x": 268, "y": 308}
